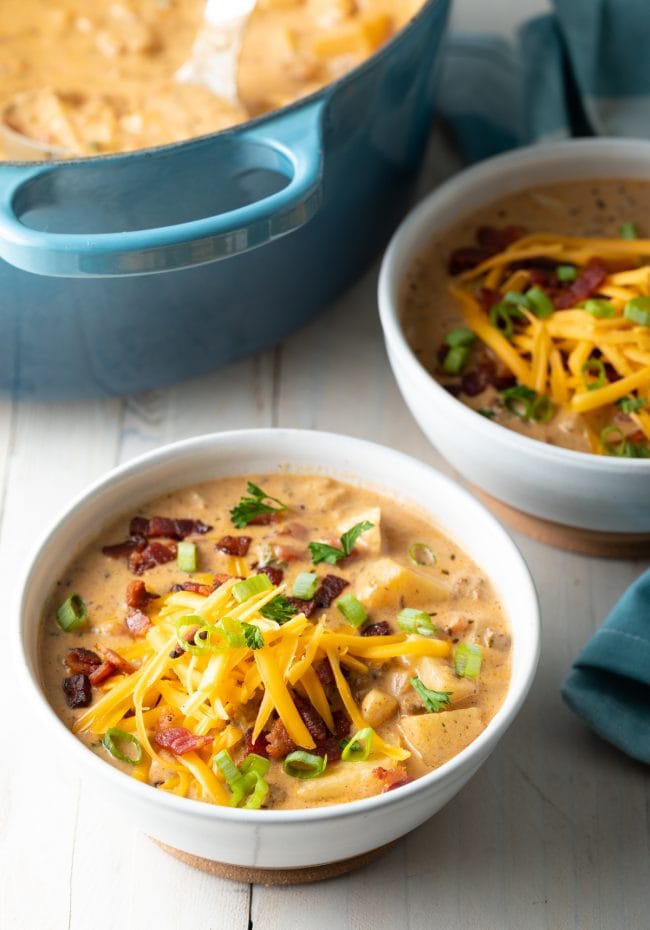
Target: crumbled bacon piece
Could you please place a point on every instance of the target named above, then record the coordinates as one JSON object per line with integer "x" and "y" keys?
{"x": 264, "y": 519}
{"x": 153, "y": 554}
{"x": 381, "y": 628}
{"x": 274, "y": 574}
{"x": 82, "y": 661}
{"x": 326, "y": 744}
{"x": 124, "y": 549}
{"x": 137, "y": 595}
{"x": 102, "y": 672}
{"x": 465, "y": 258}
{"x": 278, "y": 742}
{"x": 490, "y": 240}
{"x": 119, "y": 662}
{"x": 342, "y": 724}
{"x": 78, "y": 691}
{"x": 137, "y": 622}
{"x": 167, "y": 527}
{"x": 585, "y": 285}
{"x": 196, "y": 587}
{"x": 325, "y": 674}
{"x": 179, "y": 740}
{"x": 391, "y": 778}
{"x": 234, "y": 545}
{"x": 258, "y": 746}
{"x": 329, "y": 588}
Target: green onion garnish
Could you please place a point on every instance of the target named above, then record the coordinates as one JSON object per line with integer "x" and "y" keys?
{"x": 487, "y": 413}
{"x": 206, "y": 639}
{"x": 501, "y": 316}
{"x": 257, "y": 797}
{"x": 279, "y": 609}
{"x": 595, "y": 374}
{"x": 601, "y": 309}
{"x": 421, "y": 554}
{"x": 627, "y": 230}
{"x": 352, "y": 609}
{"x": 245, "y": 781}
{"x": 460, "y": 337}
{"x": 254, "y": 763}
{"x": 72, "y": 613}
{"x": 467, "y": 660}
{"x": 434, "y": 701}
{"x": 542, "y": 409}
{"x": 518, "y": 400}
{"x": 630, "y": 404}
{"x": 241, "y": 635}
{"x": 412, "y": 620}
{"x": 637, "y": 310}
{"x": 257, "y": 504}
{"x": 227, "y": 767}
{"x": 114, "y": 738}
{"x": 455, "y": 360}
{"x": 566, "y": 272}
{"x": 300, "y": 764}
{"x": 186, "y": 556}
{"x": 539, "y": 302}
{"x": 322, "y": 552}
{"x": 613, "y": 440}
{"x": 249, "y": 587}
{"x": 357, "y": 749}
{"x": 304, "y": 587}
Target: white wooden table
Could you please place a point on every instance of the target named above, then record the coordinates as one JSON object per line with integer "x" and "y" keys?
{"x": 553, "y": 832}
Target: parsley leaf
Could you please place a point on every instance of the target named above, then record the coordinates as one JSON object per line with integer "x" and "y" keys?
{"x": 279, "y": 609}
{"x": 630, "y": 404}
{"x": 322, "y": 552}
{"x": 252, "y": 635}
{"x": 433, "y": 701}
{"x": 254, "y": 506}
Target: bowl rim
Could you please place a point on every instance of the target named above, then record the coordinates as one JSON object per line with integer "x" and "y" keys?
{"x": 397, "y": 260}
{"x": 187, "y": 807}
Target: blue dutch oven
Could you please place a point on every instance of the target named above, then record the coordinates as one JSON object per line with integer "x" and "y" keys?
{"x": 122, "y": 273}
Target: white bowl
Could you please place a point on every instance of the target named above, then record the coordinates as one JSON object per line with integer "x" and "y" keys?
{"x": 281, "y": 839}
{"x": 593, "y": 492}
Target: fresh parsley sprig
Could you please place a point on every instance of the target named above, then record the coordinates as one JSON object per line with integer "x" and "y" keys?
{"x": 256, "y": 504}
{"x": 322, "y": 552}
{"x": 434, "y": 701}
{"x": 279, "y": 609}
{"x": 252, "y": 635}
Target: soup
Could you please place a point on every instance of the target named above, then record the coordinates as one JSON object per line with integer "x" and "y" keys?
{"x": 98, "y": 78}
{"x": 535, "y": 312}
{"x": 281, "y": 641}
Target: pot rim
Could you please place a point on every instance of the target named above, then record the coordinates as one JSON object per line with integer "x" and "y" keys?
{"x": 468, "y": 758}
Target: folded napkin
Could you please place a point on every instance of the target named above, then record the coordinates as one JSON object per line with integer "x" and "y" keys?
{"x": 582, "y": 70}
{"x": 609, "y": 686}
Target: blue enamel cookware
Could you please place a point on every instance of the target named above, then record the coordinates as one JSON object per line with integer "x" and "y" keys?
{"x": 122, "y": 273}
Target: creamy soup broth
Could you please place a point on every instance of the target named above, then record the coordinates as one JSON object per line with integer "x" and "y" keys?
{"x": 380, "y": 573}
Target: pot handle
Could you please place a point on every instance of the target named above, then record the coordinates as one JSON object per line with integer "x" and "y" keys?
{"x": 289, "y": 145}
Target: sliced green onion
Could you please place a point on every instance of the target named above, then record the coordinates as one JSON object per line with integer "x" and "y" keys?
{"x": 516, "y": 298}
{"x": 231, "y": 774}
{"x": 114, "y": 738}
{"x": 460, "y": 337}
{"x": 637, "y": 310}
{"x": 434, "y": 701}
{"x": 249, "y": 587}
{"x": 206, "y": 634}
{"x": 467, "y": 660}
{"x": 542, "y": 409}
{"x": 595, "y": 368}
{"x": 501, "y": 316}
{"x": 487, "y": 413}
{"x": 186, "y": 556}
{"x": 304, "y": 587}
{"x": 257, "y": 797}
{"x": 352, "y": 609}
{"x": 421, "y": 554}
{"x": 627, "y": 230}
{"x": 254, "y": 763}
{"x": 357, "y": 749}
{"x": 518, "y": 400}
{"x": 72, "y": 613}
{"x": 539, "y": 302}
{"x": 566, "y": 272}
{"x": 601, "y": 309}
{"x": 613, "y": 440}
{"x": 412, "y": 620}
{"x": 300, "y": 764}
{"x": 630, "y": 404}
{"x": 455, "y": 360}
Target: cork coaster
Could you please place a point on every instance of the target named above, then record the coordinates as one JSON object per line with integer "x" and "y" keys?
{"x": 573, "y": 538}
{"x": 259, "y": 876}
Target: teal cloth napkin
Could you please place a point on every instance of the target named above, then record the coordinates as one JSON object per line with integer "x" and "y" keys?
{"x": 609, "y": 686}
{"x": 581, "y": 70}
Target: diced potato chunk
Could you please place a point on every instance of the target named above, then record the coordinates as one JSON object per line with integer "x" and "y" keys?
{"x": 346, "y": 782}
{"x": 438, "y": 675}
{"x": 369, "y": 542}
{"x": 388, "y": 584}
{"x": 438, "y": 737}
{"x": 377, "y": 707}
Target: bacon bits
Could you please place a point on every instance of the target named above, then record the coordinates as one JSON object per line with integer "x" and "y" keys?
{"x": 154, "y": 554}
{"x": 78, "y": 690}
{"x": 179, "y": 740}
{"x": 585, "y": 285}
{"x": 489, "y": 241}
{"x": 142, "y": 554}
{"x": 274, "y": 574}
{"x": 137, "y": 622}
{"x": 137, "y": 595}
{"x": 82, "y": 661}
{"x": 234, "y": 545}
{"x": 113, "y": 662}
{"x": 258, "y": 746}
{"x": 329, "y": 589}
{"x": 278, "y": 742}
{"x": 382, "y": 628}
{"x": 167, "y": 527}
{"x": 391, "y": 778}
